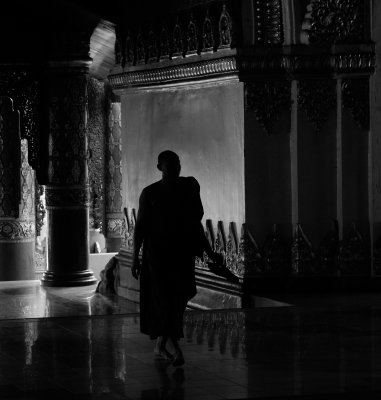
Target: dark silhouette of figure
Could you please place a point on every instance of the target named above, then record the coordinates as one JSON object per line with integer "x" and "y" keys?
{"x": 169, "y": 228}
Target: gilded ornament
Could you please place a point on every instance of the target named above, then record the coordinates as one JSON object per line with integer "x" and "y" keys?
{"x": 225, "y": 28}
{"x": 164, "y": 43}
{"x": 336, "y": 21}
{"x": 177, "y": 40}
{"x": 249, "y": 260}
{"x": 192, "y": 37}
{"x": 207, "y": 34}
{"x": 232, "y": 249}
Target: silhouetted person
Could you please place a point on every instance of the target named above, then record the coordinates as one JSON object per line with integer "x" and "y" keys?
{"x": 169, "y": 228}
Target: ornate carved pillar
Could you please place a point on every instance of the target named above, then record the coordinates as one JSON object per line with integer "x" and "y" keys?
{"x": 17, "y": 216}
{"x": 114, "y": 198}
{"x": 67, "y": 191}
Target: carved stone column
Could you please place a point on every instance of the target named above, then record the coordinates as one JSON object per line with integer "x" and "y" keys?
{"x": 67, "y": 191}
{"x": 17, "y": 226}
{"x": 114, "y": 198}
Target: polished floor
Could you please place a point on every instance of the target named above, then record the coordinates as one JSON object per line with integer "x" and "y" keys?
{"x": 71, "y": 343}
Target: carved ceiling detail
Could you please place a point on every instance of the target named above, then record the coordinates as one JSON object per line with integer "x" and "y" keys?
{"x": 268, "y": 22}
{"x": 173, "y": 47}
{"x": 335, "y": 21}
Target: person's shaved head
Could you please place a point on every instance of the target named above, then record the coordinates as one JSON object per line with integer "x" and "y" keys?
{"x": 169, "y": 157}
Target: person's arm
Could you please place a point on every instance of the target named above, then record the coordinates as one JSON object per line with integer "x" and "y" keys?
{"x": 139, "y": 236}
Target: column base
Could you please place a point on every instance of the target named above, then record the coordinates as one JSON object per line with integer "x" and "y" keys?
{"x": 80, "y": 278}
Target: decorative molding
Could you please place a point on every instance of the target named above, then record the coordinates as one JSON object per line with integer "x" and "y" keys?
{"x": 249, "y": 260}
{"x": 114, "y": 198}
{"x": 96, "y": 146}
{"x": 220, "y": 242}
{"x": 27, "y": 182}
{"x": 204, "y": 261}
{"x": 268, "y": 22}
{"x": 317, "y": 98}
{"x": 232, "y": 248}
{"x": 207, "y": 68}
{"x": 266, "y": 99}
{"x": 114, "y": 226}
{"x": 355, "y": 96}
{"x": 352, "y": 254}
{"x": 69, "y": 196}
{"x": 303, "y": 259}
{"x": 16, "y": 230}
{"x": 335, "y": 21}
{"x": 40, "y": 207}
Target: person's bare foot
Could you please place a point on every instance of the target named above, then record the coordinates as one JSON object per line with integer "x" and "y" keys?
{"x": 179, "y": 359}
{"x": 163, "y": 354}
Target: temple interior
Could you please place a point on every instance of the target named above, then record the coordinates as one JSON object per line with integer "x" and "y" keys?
{"x": 275, "y": 108}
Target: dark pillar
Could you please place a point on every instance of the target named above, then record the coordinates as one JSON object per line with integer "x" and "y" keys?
{"x": 67, "y": 191}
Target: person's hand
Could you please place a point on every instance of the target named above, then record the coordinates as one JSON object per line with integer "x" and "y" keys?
{"x": 136, "y": 267}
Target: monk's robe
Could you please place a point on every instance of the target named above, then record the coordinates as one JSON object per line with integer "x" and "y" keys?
{"x": 169, "y": 219}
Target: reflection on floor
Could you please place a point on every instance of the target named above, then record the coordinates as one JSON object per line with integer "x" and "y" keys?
{"x": 28, "y": 299}
{"x": 90, "y": 348}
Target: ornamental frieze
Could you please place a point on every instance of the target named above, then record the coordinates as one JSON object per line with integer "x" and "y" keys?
{"x": 67, "y": 196}
{"x": 16, "y": 230}
{"x": 219, "y": 67}
{"x": 303, "y": 259}
{"x": 114, "y": 226}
